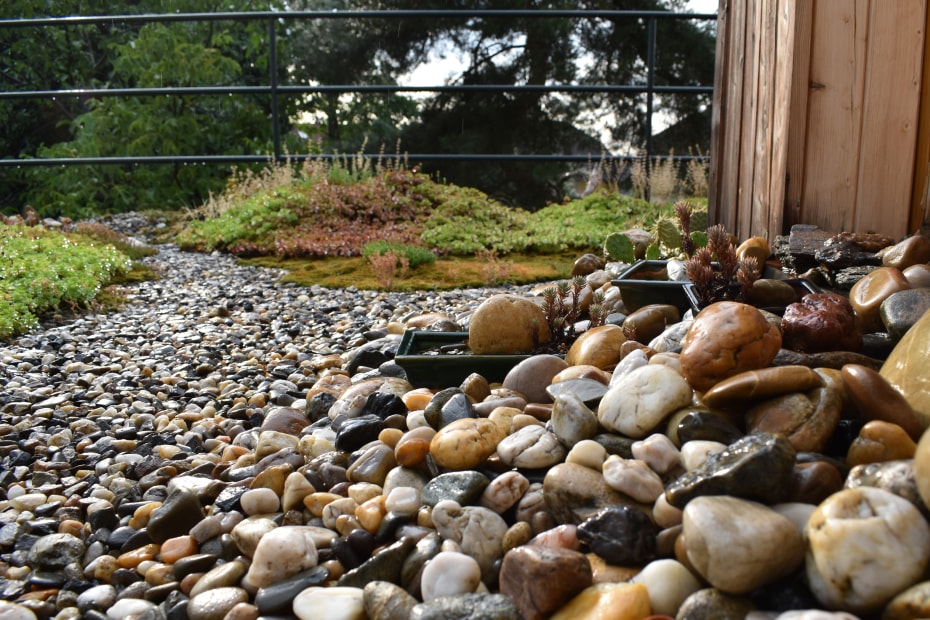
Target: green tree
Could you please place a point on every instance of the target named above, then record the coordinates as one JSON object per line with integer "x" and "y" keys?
{"x": 157, "y": 54}
{"x": 527, "y": 51}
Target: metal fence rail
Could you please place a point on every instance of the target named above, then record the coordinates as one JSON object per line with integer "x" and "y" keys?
{"x": 274, "y": 90}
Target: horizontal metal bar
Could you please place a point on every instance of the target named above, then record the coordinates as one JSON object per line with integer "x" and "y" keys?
{"x": 226, "y": 159}
{"x": 346, "y": 88}
{"x": 75, "y": 20}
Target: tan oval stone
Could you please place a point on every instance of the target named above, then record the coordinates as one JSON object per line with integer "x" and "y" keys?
{"x": 754, "y": 247}
{"x": 880, "y": 441}
{"x": 598, "y": 347}
{"x": 739, "y": 545}
{"x": 617, "y": 601}
{"x": 912, "y": 604}
{"x": 651, "y": 320}
{"x": 867, "y": 295}
{"x": 464, "y": 444}
{"x": 725, "y": 339}
{"x": 918, "y": 276}
{"x": 507, "y": 323}
{"x": 583, "y": 371}
{"x": 762, "y": 383}
{"x": 911, "y": 251}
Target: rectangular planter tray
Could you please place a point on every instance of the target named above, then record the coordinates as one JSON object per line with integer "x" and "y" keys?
{"x": 442, "y": 370}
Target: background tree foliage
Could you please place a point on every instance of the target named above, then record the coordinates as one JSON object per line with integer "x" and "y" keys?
{"x": 492, "y": 51}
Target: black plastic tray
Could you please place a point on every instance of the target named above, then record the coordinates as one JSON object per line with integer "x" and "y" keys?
{"x": 442, "y": 370}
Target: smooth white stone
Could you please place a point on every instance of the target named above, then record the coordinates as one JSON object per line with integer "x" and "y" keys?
{"x": 248, "y": 532}
{"x": 633, "y": 360}
{"x": 417, "y": 419}
{"x": 96, "y": 597}
{"x": 449, "y": 573}
{"x": 336, "y": 603}
{"x": 669, "y": 583}
{"x": 28, "y": 501}
{"x": 13, "y": 611}
{"x": 404, "y": 501}
{"x": 259, "y": 501}
{"x": 478, "y": 530}
{"x": 865, "y": 545}
{"x": 640, "y": 400}
{"x": 587, "y": 453}
{"x": 632, "y": 477}
{"x": 797, "y": 513}
{"x": 694, "y": 453}
{"x": 215, "y": 603}
{"x": 664, "y": 514}
{"x": 282, "y": 552}
{"x": 504, "y": 491}
{"x": 658, "y": 452}
{"x": 531, "y": 447}
{"x": 129, "y": 608}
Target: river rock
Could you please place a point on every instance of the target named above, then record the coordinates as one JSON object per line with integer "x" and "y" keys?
{"x": 506, "y": 323}
{"x": 387, "y": 601}
{"x": 634, "y": 478}
{"x": 905, "y": 368}
{"x": 725, "y": 339}
{"x": 617, "y": 601}
{"x": 880, "y": 441}
{"x": 759, "y": 384}
{"x": 449, "y": 573}
{"x": 639, "y": 401}
{"x": 587, "y": 264}
{"x": 898, "y": 477}
{"x": 821, "y": 322}
{"x": 910, "y": 251}
{"x": 571, "y": 420}
{"x": 531, "y": 447}
{"x": 912, "y": 604}
{"x": 475, "y": 606}
{"x": 465, "y": 443}
{"x": 668, "y": 583}
{"x": 770, "y": 293}
{"x": 651, "y": 320}
{"x": 806, "y": 419}
{"x": 900, "y": 311}
{"x": 621, "y": 535}
{"x": 918, "y": 276}
{"x": 216, "y": 603}
{"x": 865, "y": 546}
{"x": 867, "y": 295}
{"x": 533, "y": 375}
{"x": 463, "y": 487}
{"x": 479, "y": 531}
{"x": 541, "y": 579}
{"x": 876, "y": 399}
{"x": 332, "y": 603}
{"x": 712, "y": 603}
{"x": 598, "y": 347}
{"x": 282, "y": 552}
{"x": 756, "y": 467}
{"x": 574, "y": 492}
{"x": 739, "y": 545}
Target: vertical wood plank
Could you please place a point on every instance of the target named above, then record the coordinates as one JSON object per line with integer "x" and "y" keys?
{"x": 747, "y": 129}
{"x": 798, "y": 117}
{"x": 732, "y": 93}
{"x": 920, "y": 201}
{"x": 890, "y": 106}
{"x": 760, "y": 197}
{"x": 784, "y": 55}
{"x": 720, "y": 104}
{"x": 840, "y": 28}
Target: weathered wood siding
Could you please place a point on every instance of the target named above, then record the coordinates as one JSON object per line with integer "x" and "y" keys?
{"x": 817, "y": 110}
